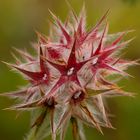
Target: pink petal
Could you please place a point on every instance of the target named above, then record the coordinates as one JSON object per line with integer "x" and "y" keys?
{"x": 65, "y": 33}
{"x": 34, "y": 75}
{"x": 72, "y": 56}
{"x": 99, "y": 48}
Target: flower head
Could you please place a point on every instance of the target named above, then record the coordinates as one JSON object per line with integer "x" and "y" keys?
{"x": 68, "y": 78}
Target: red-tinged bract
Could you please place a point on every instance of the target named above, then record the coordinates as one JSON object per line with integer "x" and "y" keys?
{"x": 68, "y": 79}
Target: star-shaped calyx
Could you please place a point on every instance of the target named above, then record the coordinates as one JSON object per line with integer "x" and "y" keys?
{"x": 69, "y": 71}
{"x": 36, "y": 77}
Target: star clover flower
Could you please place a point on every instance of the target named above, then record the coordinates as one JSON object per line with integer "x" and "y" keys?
{"x": 69, "y": 77}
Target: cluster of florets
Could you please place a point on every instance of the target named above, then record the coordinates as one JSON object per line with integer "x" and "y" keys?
{"x": 69, "y": 77}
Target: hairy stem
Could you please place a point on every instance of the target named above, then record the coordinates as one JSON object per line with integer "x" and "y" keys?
{"x": 74, "y": 128}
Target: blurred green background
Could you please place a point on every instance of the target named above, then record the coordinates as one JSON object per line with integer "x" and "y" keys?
{"x": 18, "y": 21}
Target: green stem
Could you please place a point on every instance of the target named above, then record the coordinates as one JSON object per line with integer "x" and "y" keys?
{"x": 74, "y": 129}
